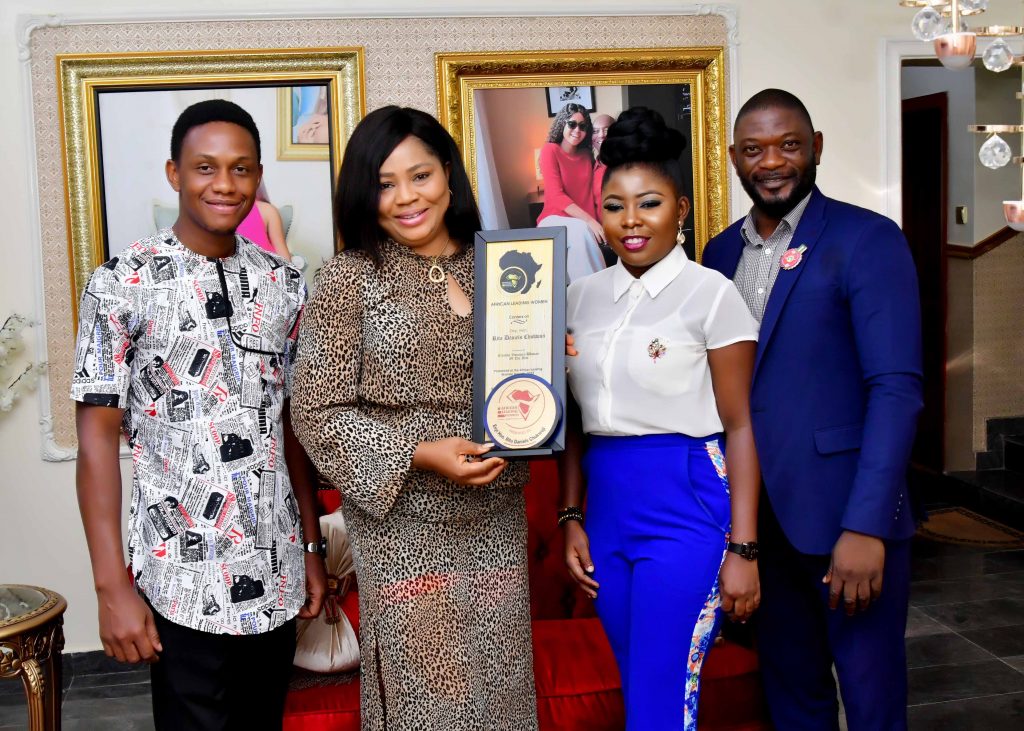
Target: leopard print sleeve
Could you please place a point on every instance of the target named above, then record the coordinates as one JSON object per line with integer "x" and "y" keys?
{"x": 367, "y": 459}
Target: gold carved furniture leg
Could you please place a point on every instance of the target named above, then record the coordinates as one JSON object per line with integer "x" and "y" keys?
{"x": 31, "y": 641}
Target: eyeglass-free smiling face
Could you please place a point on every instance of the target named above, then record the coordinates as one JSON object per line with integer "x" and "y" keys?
{"x": 414, "y": 197}
{"x": 776, "y": 154}
{"x": 574, "y": 132}
{"x": 642, "y": 211}
{"x": 216, "y": 177}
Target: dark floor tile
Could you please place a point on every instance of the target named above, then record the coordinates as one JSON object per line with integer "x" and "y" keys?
{"x": 952, "y": 566}
{"x": 1015, "y": 662}
{"x": 1004, "y": 561}
{"x": 969, "y": 680}
{"x": 975, "y": 588}
{"x": 92, "y": 708}
{"x": 994, "y": 713}
{"x": 12, "y": 699}
{"x": 960, "y": 565}
{"x": 923, "y": 548}
{"x": 96, "y": 681}
{"x": 90, "y": 663}
{"x": 920, "y": 624}
{"x": 947, "y": 649}
{"x": 135, "y": 722}
{"x": 978, "y": 615}
{"x": 1000, "y": 641}
{"x": 128, "y": 690}
{"x": 14, "y": 716}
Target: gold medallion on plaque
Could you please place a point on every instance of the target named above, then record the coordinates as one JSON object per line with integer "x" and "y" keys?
{"x": 522, "y": 412}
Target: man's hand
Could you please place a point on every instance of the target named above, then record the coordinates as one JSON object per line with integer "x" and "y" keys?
{"x": 855, "y": 575}
{"x": 740, "y": 586}
{"x": 127, "y": 629}
{"x": 316, "y": 586}
{"x": 570, "y": 346}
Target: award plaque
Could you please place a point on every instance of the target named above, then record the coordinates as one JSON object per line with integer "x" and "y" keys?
{"x": 519, "y": 341}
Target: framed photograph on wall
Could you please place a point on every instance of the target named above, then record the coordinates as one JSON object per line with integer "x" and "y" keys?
{"x": 303, "y": 122}
{"x": 498, "y": 108}
{"x": 559, "y": 96}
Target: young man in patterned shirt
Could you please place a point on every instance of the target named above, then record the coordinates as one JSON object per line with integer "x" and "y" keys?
{"x": 185, "y": 345}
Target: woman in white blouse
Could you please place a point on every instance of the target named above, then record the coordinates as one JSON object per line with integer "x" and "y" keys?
{"x": 661, "y": 371}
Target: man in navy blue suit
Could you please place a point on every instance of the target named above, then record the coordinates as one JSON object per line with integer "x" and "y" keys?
{"x": 835, "y": 399}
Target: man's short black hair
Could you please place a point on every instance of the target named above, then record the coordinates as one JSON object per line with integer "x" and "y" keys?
{"x": 212, "y": 110}
{"x": 774, "y": 99}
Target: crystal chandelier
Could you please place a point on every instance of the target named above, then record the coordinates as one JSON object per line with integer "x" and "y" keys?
{"x": 942, "y": 22}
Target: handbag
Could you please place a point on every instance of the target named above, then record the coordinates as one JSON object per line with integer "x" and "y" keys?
{"x": 327, "y": 643}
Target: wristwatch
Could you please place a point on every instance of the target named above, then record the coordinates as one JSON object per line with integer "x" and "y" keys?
{"x": 316, "y": 547}
{"x": 746, "y": 550}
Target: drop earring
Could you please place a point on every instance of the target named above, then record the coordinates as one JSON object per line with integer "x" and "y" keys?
{"x": 680, "y": 236}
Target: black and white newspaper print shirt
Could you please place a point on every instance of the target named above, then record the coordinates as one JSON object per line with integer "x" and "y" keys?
{"x": 215, "y": 541}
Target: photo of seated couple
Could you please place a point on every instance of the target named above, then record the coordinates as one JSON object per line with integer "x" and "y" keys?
{"x": 737, "y": 430}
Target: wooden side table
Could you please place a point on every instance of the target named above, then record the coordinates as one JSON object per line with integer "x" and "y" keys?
{"x": 31, "y": 640}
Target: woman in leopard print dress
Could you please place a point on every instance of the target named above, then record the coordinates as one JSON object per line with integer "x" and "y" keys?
{"x": 381, "y": 401}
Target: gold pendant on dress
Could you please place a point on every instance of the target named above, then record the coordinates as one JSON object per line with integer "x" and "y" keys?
{"x": 436, "y": 274}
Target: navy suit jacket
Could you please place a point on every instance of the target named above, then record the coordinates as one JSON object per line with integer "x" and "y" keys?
{"x": 837, "y": 380}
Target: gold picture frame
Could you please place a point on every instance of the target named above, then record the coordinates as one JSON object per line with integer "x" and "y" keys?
{"x": 81, "y": 78}
{"x": 702, "y": 69}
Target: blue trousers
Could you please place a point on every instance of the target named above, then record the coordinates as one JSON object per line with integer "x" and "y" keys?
{"x": 799, "y": 638}
{"x": 658, "y": 518}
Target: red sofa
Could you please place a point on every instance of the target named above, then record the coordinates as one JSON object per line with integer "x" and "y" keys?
{"x": 578, "y": 687}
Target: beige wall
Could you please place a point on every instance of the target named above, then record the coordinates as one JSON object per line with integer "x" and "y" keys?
{"x": 41, "y": 538}
{"x": 960, "y": 365}
{"x": 998, "y": 336}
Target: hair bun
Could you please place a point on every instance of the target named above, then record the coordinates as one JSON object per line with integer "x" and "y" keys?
{"x": 641, "y": 135}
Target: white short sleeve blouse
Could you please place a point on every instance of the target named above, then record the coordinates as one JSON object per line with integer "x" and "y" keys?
{"x": 642, "y": 366}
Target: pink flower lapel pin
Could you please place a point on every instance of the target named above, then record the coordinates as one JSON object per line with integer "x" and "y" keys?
{"x": 792, "y": 258}
{"x": 656, "y": 349}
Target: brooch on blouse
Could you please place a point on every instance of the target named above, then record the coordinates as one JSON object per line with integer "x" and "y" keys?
{"x": 792, "y": 257}
{"x": 655, "y": 349}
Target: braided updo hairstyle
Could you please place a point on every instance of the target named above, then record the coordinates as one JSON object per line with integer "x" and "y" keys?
{"x": 641, "y": 137}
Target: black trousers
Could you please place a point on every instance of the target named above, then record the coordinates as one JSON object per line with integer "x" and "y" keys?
{"x": 208, "y": 682}
{"x": 799, "y": 639}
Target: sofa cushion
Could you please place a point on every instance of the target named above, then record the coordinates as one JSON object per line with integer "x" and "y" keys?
{"x": 553, "y": 593}
{"x": 330, "y": 702}
{"x": 578, "y": 686}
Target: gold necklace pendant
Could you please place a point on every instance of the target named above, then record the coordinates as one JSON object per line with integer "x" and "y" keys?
{"x": 436, "y": 273}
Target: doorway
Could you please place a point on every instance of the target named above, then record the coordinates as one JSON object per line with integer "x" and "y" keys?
{"x": 925, "y": 198}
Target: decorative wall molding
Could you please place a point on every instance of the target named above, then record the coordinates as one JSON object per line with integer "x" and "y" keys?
{"x": 958, "y": 251}
{"x": 96, "y": 32}
{"x": 894, "y": 52}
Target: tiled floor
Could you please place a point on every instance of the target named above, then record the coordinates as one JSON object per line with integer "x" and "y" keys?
{"x": 965, "y": 639}
{"x": 965, "y": 650}
{"x": 99, "y": 695}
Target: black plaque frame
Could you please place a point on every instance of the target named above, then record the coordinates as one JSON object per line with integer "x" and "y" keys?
{"x": 556, "y": 442}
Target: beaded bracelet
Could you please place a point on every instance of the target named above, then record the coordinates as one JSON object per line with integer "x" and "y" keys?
{"x": 570, "y": 513}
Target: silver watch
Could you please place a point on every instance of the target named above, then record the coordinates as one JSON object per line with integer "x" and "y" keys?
{"x": 316, "y": 547}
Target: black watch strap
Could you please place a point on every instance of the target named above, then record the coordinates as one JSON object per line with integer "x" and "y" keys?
{"x": 747, "y": 550}
{"x": 317, "y": 547}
